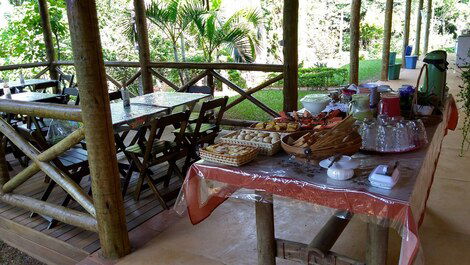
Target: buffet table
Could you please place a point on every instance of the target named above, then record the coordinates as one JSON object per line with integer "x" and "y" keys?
{"x": 208, "y": 185}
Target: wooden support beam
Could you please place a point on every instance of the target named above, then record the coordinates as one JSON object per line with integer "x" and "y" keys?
{"x": 330, "y": 232}
{"x": 354, "y": 44}
{"x": 43, "y": 110}
{"x": 242, "y": 92}
{"x": 47, "y": 32}
{"x": 377, "y": 244}
{"x": 23, "y": 65}
{"x": 210, "y": 82}
{"x": 4, "y": 174}
{"x": 143, "y": 41}
{"x": 48, "y": 155}
{"x": 193, "y": 81}
{"x": 114, "y": 81}
{"x": 427, "y": 27}
{"x": 60, "y": 213}
{"x": 418, "y": 28}
{"x": 164, "y": 79}
{"x": 91, "y": 75}
{"x": 70, "y": 186}
{"x": 265, "y": 230}
{"x": 290, "y": 51}
{"x": 254, "y": 90}
{"x": 406, "y": 31}
{"x": 43, "y": 71}
{"x": 300, "y": 252}
{"x": 132, "y": 79}
{"x": 386, "y": 40}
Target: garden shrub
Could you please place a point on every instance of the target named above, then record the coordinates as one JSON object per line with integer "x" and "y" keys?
{"x": 320, "y": 77}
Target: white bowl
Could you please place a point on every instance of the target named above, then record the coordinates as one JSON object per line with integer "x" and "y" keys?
{"x": 315, "y": 103}
{"x": 343, "y": 169}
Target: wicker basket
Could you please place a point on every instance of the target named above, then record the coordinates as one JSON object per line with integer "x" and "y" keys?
{"x": 268, "y": 149}
{"x": 230, "y": 160}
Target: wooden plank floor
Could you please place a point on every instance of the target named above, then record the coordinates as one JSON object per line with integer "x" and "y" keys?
{"x": 71, "y": 243}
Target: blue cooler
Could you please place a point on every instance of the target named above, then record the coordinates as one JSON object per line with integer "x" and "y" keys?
{"x": 410, "y": 61}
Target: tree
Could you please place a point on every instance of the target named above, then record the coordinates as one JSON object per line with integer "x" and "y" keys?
{"x": 237, "y": 33}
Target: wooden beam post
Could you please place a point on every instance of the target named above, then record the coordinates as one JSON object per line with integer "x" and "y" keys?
{"x": 377, "y": 244}
{"x": 354, "y": 44}
{"x": 47, "y": 32}
{"x": 406, "y": 31}
{"x": 4, "y": 175}
{"x": 96, "y": 114}
{"x": 144, "y": 50}
{"x": 265, "y": 230}
{"x": 386, "y": 40}
{"x": 418, "y": 28}
{"x": 427, "y": 27}
{"x": 290, "y": 50}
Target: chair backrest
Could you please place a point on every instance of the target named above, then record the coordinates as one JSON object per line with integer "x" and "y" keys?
{"x": 200, "y": 89}
{"x": 115, "y": 95}
{"x": 158, "y": 126}
{"x": 208, "y": 110}
{"x": 66, "y": 81}
{"x": 71, "y": 91}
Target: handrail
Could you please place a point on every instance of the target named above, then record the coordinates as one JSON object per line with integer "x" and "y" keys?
{"x": 189, "y": 65}
{"x": 43, "y": 110}
{"x": 24, "y": 65}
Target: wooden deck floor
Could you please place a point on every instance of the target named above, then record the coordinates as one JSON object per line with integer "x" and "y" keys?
{"x": 66, "y": 244}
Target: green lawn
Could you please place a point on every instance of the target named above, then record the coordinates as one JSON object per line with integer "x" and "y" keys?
{"x": 369, "y": 71}
{"x": 249, "y": 111}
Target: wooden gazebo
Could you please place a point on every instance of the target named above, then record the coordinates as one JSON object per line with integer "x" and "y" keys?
{"x": 105, "y": 213}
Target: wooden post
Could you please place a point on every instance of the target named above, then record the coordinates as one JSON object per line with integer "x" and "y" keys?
{"x": 210, "y": 81}
{"x": 290, "y": 50}
{"x": 265, "y": 230}
{"x": 418, "y": 28}
{"x": 47, "y": 32}
{"x": 144, "y": 50}
{"x": 354, "y": 44}
{"x": 386, "y": 41}
{"x": 427, "y": 27}
{"x": 4, "y": 175}
{"x": 377, "y": 244}
{"x": 406, "y": 31}
{"x": 91, "y": 75}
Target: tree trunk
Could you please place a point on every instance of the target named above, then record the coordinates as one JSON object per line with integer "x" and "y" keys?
{"x": 418, "y": 28}
{"x": 386, "y": 41}
{"x": 47, "y": 33}
{"x": 91, "y": 74}
{"x": 290, "y": 50}
{"x": 144, "y": 50}
{"x": 354, "y": 43}
{"x": 427, "y": 27}
{"x": 406, "y": 31}
{"x": 183, "y": 55}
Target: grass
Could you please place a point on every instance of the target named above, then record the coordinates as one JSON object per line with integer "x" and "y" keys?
{"x": 246, "y": 110}
{"x": 369, "y": 71}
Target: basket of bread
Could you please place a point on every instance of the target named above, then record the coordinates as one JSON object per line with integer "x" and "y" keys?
{"x": 269, "y": 143}
{"x": 229, "y": 154}
{"x": 275, "y": 126}
{"x": 342, "y": 139}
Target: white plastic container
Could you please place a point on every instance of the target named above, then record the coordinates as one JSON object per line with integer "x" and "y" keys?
{"x": 315, "y": 103}
{"x": 378, "y": 178}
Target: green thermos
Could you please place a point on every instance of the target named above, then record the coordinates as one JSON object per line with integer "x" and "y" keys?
{"x": 437, "y": 70}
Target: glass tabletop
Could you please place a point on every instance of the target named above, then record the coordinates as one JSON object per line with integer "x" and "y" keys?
{"x": 31, "y": 96}
{"x": 28, "y": 82}
{"x": 135, "y": 116}
{"x": 168, "y": 99}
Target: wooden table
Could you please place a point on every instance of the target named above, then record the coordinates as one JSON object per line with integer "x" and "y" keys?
{"x": 170, "y": 100}
{"x": 31, "y": 83}
{"x": 208, "y": 185}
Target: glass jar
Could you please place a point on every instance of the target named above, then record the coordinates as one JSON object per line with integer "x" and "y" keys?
{"x": 359, "y": 107}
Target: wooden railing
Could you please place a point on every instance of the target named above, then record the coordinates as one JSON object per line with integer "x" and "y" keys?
{"x": 208, "y": 70}
{"x": 41, "y": 161}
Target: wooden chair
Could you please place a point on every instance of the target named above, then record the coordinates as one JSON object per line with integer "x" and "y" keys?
{"x": 155, "y": 151}
{"x": 69, "y": 88}
{"x": 74, "y": 163}
{"x": 206, "y": 127}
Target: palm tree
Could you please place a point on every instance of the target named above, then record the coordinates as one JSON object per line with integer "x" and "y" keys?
{"x": 236, "y": 33}
{"x": 172, "y": 19}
